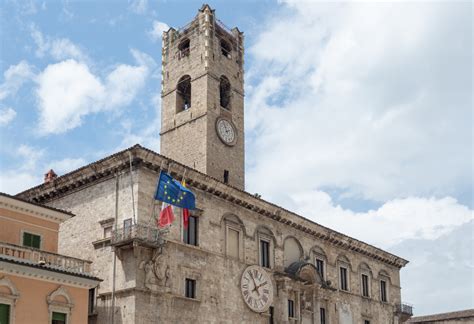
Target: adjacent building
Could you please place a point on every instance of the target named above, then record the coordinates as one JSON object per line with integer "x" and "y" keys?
{"x": 38, "y": 285}
{"x": 241, "y": 259}
{"x": 459, "y": 317}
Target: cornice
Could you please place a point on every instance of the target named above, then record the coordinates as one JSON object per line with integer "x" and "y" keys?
{"x": 31, "y": 209}
{"x": 143, "y": 157}
{"x": 10, "y": 267}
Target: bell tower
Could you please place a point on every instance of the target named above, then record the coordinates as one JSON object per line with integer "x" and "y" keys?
{"x": 202, "y": 112}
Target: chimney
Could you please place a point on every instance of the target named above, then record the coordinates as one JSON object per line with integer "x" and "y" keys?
{"x": 49, "y": 176}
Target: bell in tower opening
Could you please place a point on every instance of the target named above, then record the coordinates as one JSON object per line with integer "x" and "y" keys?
{"x": 202, "y": 116}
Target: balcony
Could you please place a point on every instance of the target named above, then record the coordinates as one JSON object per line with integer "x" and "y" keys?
{"x": 405, "y": 311}
{"x": 47, "y": 259}
{"x": 138, "y": 233}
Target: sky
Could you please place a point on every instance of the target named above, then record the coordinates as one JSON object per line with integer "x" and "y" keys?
{"x": 358, "y": 115}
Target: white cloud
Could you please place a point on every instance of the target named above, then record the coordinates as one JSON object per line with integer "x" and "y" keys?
{"x": 394, "y": 222}
{"x": 7, "y": 114}
{"x": 157, "y": 30}
{"x": 58, "y": 48}
{"x": 358, "y": 101}
{"x": 139, "y": 6}
{"x": 14, "y": 181}
{"x": 68, "y": 91}
{"x": 14, "y": 77}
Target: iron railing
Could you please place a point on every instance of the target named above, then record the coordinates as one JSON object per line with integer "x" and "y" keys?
{"x": 137, "y": 232}
{"x": 406, "y": 309}
{"x": 53, "y": 260}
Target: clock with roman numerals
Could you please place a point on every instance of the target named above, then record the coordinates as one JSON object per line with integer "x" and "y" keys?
{"x": 257, "y": 288}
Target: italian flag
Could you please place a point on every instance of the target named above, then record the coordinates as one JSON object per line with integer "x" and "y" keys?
{"x": 166, "y": 215}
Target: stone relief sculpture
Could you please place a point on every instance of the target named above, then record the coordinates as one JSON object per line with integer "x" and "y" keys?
{"x": 157, "y": 273}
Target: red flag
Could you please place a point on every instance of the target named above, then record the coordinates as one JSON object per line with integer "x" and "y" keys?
{"x": 185, "y": 210}
{"x": 166, "y": 215}
{"x": 185, "y": 217}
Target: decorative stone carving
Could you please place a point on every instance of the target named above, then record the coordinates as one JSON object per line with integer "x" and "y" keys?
{"x": 157, "y": 273}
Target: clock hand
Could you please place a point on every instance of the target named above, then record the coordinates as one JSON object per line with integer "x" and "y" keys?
{"x": 255, "y": 284}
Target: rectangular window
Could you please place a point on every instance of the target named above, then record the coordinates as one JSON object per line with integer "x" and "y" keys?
{"x": 58, "y": 318}
{"x": 226, "y": 176}
{"x": 190, "y": 290}
{"x": 320, "y": 267}
{"x": 343, "y": 275}
{"x": 91, "y": 300}
{"x": 366, "y": 322}
{"x": 190, "y": 235}
{"x": 232, "y": 243}
{"x": 322, "y": 315}
{"x": 383, "y": 290}
{"x": 31, "y": 240}
{"x": 4, "y": 313}
{"x": 291, "y": 308}
{"x": 365, "y": 285}
{"x": 271, "y": 310}
{"x": 107, "y": 231}
{"x": 265, "y": 253}
{"x": 127, "y": 227}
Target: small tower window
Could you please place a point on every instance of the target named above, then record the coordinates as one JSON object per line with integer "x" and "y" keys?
{"x": 183, "y": 94}
{"x": 184, "y": 48}
{"x": 226, "y": 176}
{"x": 226, "y": 49}
{"x": 224, "y": 92}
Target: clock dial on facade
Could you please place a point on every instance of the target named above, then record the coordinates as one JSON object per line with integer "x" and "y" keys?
{"x": 226, "y": 131}
{"x": 257, "y": 288}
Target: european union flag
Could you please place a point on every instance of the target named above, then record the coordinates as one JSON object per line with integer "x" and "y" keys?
{"x": 174, "y": 193}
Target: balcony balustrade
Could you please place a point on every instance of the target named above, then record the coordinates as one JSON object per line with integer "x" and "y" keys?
{"x": 47, "y": 259}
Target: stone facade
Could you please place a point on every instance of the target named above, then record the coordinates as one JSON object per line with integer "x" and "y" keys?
{"x": 149, "y": 280}
{"x": 146, "y": 271}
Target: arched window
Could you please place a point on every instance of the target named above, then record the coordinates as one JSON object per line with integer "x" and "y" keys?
{"x": 183, "y": 94}
{"x": 320, "y": 261}
{"x": 365, "y": 280}
{"x": 226, "y": 48}
{"x": 60, "y": 305}
{"x": 184, "y": 48}
{"x": 8, "y": 297}
{"x": 224, "y": 92}
{"x": 292, "y": 251}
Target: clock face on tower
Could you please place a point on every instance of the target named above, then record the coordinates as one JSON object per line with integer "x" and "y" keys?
{"x": 257, "y": 288}
{"x": 226, "y": 131}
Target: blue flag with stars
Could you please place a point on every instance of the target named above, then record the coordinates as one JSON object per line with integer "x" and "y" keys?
{"x": 174, "y": 193}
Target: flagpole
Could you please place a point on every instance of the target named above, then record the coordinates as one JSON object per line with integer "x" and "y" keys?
{"x": 131, "y": 187}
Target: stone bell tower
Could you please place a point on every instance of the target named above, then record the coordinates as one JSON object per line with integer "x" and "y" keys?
{"x": 202, "y": 114}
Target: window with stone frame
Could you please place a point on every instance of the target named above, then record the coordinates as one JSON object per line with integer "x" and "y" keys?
{"x": 190, "y": 288}
{"x": 265, "y": 241}
{"x": 226, "y": 48}
{"x": 184, "y": 48}
{"x": 31, "y": 240}
{"x": 225, "y": 92}
{"x": 344, "y": 269}
{"x": 365, "y": 285}
{"x": 191, "y": 232}
{"x": 365, "y": 279}
{"x": 291, "y": 309}
{"x": 183, "y": 94}
{"x": 320, "y": 261}
{"x": 384, "y": 282}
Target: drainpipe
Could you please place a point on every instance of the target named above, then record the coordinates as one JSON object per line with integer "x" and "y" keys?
{"x": 115, "y": 253}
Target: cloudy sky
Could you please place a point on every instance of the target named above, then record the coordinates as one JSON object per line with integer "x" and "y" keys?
{"x": 358, "y": 114}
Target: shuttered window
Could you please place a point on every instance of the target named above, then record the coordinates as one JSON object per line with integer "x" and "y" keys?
{"x": 31, "y": 240}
